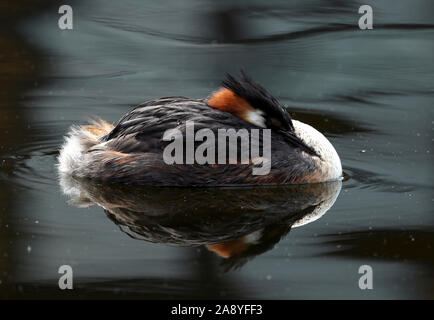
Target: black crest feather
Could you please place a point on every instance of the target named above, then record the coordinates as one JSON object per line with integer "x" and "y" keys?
{"x": 259, "y": 98}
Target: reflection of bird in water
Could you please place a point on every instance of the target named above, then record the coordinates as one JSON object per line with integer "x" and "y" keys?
{"x": 235, "y": 223}
{"x": 133, "y": 150}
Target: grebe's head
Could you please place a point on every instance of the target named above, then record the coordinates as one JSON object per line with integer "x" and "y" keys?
{"x": 329, "y": 160}
{"x": 251, "y": 102}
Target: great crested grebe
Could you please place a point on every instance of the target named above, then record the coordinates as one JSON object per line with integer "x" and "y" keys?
{"x": 132, "y": 150}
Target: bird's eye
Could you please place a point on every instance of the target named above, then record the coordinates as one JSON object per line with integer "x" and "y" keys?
{"x": 276, "y": 122}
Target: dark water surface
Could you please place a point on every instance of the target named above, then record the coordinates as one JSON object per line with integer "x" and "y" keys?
{"x": 371, "y": 93}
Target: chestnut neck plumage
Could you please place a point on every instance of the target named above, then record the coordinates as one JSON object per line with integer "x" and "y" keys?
{"x": 251, "y": 102}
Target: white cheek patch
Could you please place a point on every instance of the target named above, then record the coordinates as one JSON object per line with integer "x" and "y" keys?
{"x": 254, "y": 237}
{"x": 256, "y": 117}
{"x": 331, "y": 162}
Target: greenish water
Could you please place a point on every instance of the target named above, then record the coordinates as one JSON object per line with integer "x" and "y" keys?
{"x": 370, "y": 92}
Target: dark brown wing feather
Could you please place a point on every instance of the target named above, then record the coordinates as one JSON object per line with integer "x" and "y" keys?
{"x": 139, "y": 135}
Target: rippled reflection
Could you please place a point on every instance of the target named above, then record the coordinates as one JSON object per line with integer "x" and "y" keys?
{"x": 235, "y": 223}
